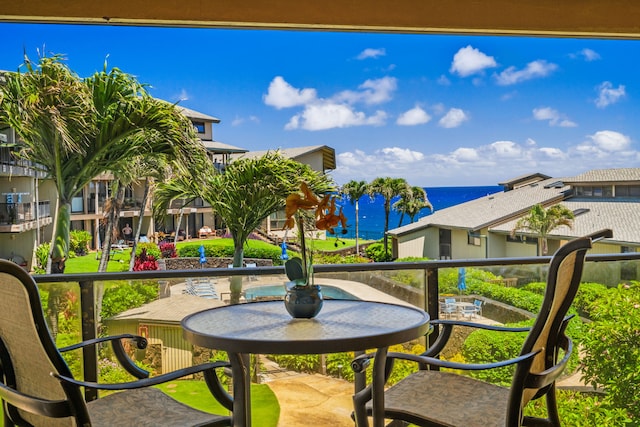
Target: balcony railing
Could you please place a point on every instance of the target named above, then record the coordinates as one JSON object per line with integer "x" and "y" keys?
{"x": 425, "y": 295}
{"x": 19, "y": 213}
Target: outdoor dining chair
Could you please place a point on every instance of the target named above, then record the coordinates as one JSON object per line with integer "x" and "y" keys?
{"x": 430, "y": 397}
{"x": 37, "y": 387}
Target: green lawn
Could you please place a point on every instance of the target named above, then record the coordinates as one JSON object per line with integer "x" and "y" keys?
{"x": 265, "y": 409}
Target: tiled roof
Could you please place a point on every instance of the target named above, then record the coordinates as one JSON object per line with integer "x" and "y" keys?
{"x": 220, "y": 147}
{"x": 172, "y": 309}
{"x": 329, "y": 154}
{"x": 606, "y": 175}
{"x": 490, "y": 209}
{"x": 621, "y": 217}
{"x": 193, "y": 114}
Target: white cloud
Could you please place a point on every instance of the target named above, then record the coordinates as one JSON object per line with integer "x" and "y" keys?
{"x": 611, "y": 141}
{"x": 454, "y": 118}
{"x": 414, "y": 116}
{"x": 535, "y": 69}
{"x": 329, "y": 115}
{"x": 488, "y": 164}
{"x": 376, "y": 91}
{"x": 443, "y": 80}
{"x": 552, "y": 153}
{"x": 464, "y": 154}
{"x": 237, "y": 121}
{"x": 469, "y": 60}
{"x": 586, "y": 54}
{"x": 182, "y": 96}
{"x": 553, "y": 116}
{"x": 371, "y": 53}
{"x": 506, "y": 149}
{"x": 282, "y": 95}
{"x": 608, "y": 95}
{"x": 400, "y": 155}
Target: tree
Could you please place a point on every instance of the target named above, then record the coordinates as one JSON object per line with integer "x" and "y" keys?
{"x": 411, "y": 202}
{"x": 388, "y": 188}
{"x": 79, "y": 128}
{"x": 355, "y": 190}
{"x": 541, "y": 222}
{"x": 246, "y": 193}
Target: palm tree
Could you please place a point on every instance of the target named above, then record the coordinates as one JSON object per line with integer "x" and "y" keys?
{"x": 355, "y": 190}
{"x": 411, "y": 202}
{"x": 541, "y": 222}
{"x": 388, "y": 188}
{"x": 79, "y": 128}
{"x": 247, "y": 192}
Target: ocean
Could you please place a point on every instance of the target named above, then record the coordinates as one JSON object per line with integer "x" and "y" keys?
{"x": 371, "y": 225}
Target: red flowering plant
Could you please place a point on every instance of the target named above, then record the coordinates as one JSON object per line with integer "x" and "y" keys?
{"x": 145, "y": 262}
{"x": 323, "y": 211}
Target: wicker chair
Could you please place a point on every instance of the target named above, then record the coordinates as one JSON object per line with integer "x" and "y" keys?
{"x": 38, "y": 389}
{"x": 430, "y": 397}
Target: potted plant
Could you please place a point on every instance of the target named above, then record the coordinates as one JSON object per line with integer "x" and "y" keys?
{"x": 303, "y": 298}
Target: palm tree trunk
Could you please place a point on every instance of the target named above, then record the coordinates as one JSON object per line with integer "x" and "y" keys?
{"x": 175, "y": 239}
{"x": 387, "y": 208}
{"x": 60, "y": 241}
{"x": 136, "y": 235}
{"x": 357, "y": 229}
{"x": 112, "y": 217}
{"x": 235, "y": 286}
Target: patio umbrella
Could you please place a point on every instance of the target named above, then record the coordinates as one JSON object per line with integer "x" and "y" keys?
{"x": 462, "y": 284}
{"x": 203, "y": 259}
{"x": 284, "y": 256}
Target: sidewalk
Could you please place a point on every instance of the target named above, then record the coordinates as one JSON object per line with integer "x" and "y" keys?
{"x": 309, "y": 399}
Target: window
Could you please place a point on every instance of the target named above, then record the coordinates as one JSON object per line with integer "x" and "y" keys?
{"x": 627, "y": 190}
{"x": 473, "y": 239}
{"x": 199, "y": 126}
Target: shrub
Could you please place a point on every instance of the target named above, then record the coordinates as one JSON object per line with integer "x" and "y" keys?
{"x": 376, "y": 252}
{"x": 120, "y": 298}
{"x": 42, "y": 255}
{"x": 612, "y": 348}
{"x": 580, "y": 410}
{"x": 483, "y": 346}
{"x": 149, "y": 248}
{"x": 145, "y": 262}
{"x": 167, "y": 250}
{"x": 79, "y": 241}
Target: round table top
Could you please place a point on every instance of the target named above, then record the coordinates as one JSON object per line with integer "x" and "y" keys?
{"x": 341, "y": 325}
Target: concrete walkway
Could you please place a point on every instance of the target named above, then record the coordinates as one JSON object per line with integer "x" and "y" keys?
{"x": 309, "y": 399}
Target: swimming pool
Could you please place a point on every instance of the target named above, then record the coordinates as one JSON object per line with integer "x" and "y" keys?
{"x": 328, "y": 292}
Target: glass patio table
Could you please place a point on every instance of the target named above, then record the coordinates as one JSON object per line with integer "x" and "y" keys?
{"x": 267, "y": 328}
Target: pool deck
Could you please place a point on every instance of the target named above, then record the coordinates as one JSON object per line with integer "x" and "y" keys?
{"x": 357, "y": 289}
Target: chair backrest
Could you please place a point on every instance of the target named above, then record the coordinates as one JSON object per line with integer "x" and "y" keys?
{"x": 532, "y": 380}
{"x": 449, "y": 300}
{"x": 27, "y": 351}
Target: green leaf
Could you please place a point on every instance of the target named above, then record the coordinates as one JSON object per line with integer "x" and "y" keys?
{"x": 294, "y": 269}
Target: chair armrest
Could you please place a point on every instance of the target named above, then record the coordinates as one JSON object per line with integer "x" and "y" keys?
{"x": 35, "y": 405}
{"x": 208, "y": 369}
{"x": 446, "y": 322}
{"x": 122, "y": 356}
{"x": 432, "y": 361}
{"x": 447, "y": 325}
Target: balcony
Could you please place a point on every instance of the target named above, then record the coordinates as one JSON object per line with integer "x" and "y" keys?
{"x": 419, "y": 283}
{"x": 19, "y": 217}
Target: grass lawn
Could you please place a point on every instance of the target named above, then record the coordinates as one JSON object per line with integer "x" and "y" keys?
{"x": 265, "y": 409}
{"x": 89, "y": 264}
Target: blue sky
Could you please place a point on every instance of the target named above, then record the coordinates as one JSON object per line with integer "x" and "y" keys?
{"x": 437, "y": 110}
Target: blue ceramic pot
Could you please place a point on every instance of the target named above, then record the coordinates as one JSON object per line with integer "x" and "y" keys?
{"x": 303, "y": 302}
